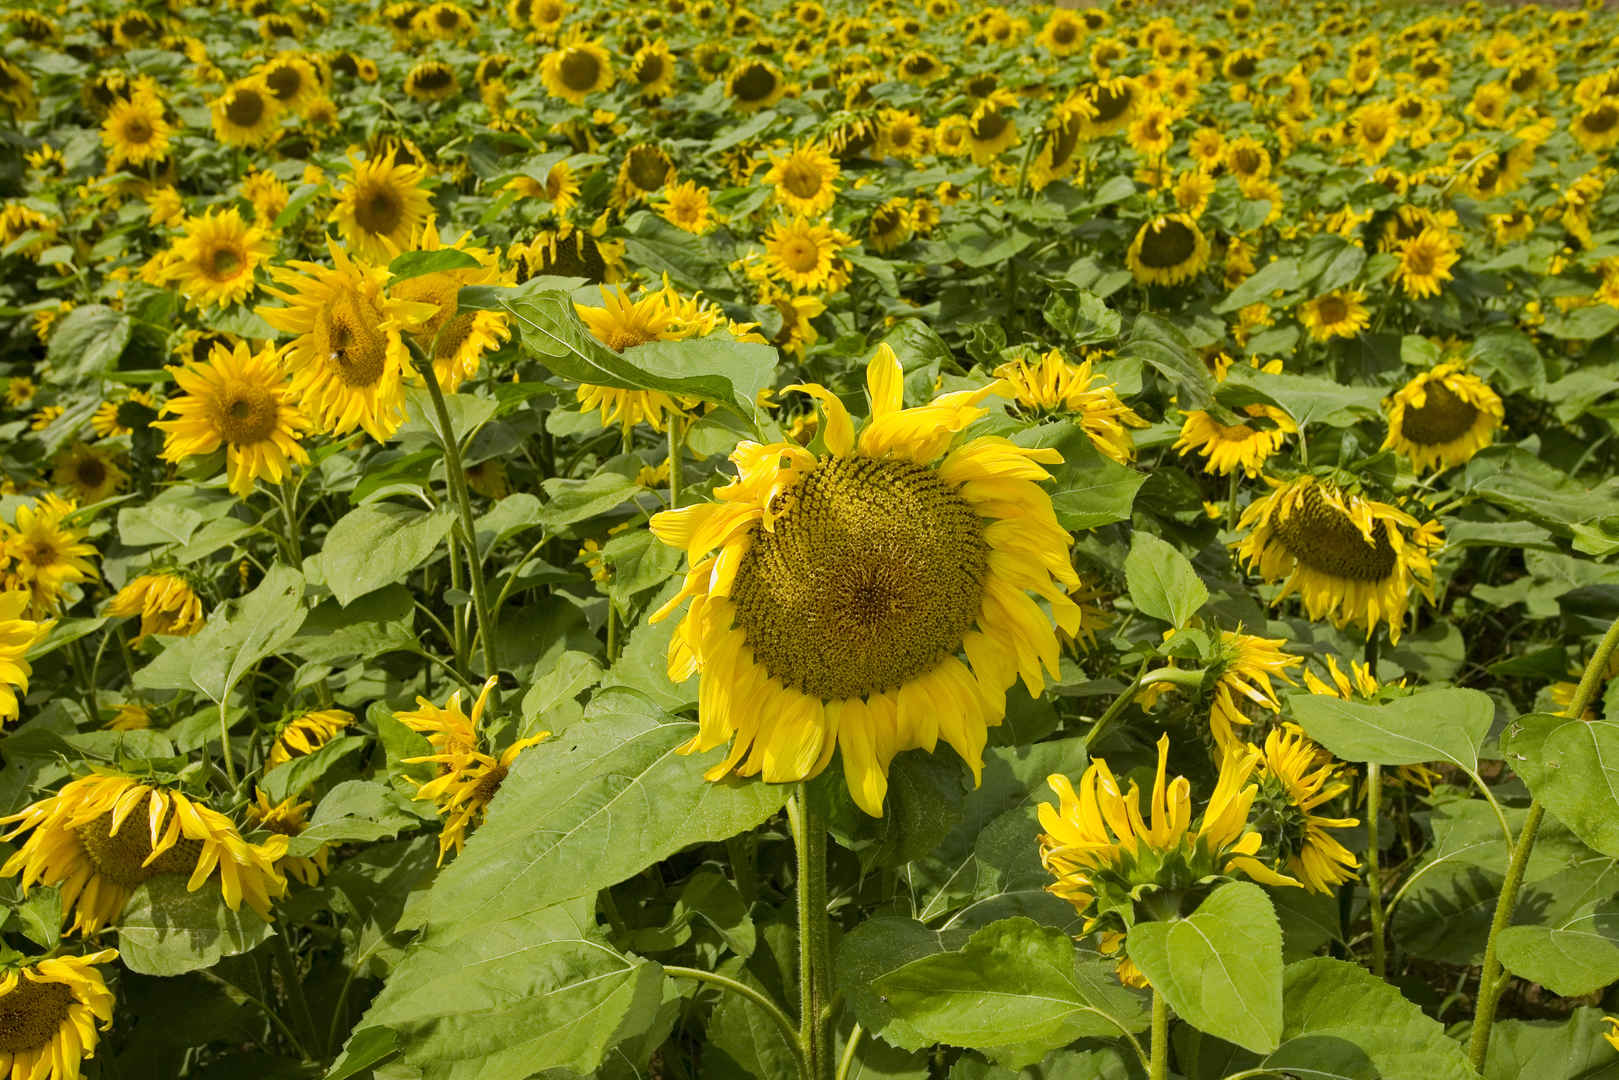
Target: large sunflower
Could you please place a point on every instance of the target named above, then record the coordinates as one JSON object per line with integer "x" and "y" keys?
{"x": 349, "y": 362}
{"x": 1442, "y": 417}
{"x": 380, "y": 206}
{"x": 165, "y": 602}
{"x": 457, "y": 340}
{"x": 215, "y": 260}
{"x": 1352, "y": 559}
{"x": 833, "y": 595}
{"x": 1243, "y": 674}
{"x": 241, "y": 401}
{"x": 50, "y": 1008}
{"x": 135, "y": 132}
{"x": 805, "y": 179}
{"x": 247, "y": 114}
{"x": 1597, "y": 127}
{"x": 43, "y": 555}
{"x": 1168, "y": 250}
{"x": 100, "y": 836}
{"x": 1296, "y": 778}
{"x": 991, "y": 129}
{"x": 18, "y": 634}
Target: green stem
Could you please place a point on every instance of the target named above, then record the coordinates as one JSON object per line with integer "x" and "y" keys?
{"x": 1160, "y": 1037}
{"x": 294, "y": 985}
{"x": 849, "y": 1049}
{"x": 1374, "y": 878}
{"x": 1178, "y": 676}
{"x": 1492, "y": 981}
{"x": 224, "y": 746}
{"x": 814, "y": 933}
{"x": 674, "y": 462}
{"x": 771, "y": 1009}
{"x": 289, "y": 511}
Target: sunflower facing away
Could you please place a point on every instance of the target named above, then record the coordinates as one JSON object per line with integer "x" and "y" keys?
{"x": 18, "y": 634}
{"x": 213, "y": 262}
{"x": 457, "y": 340}
{"x": 1442, "y": 417}
{"x": 42, "y": 554}
{"x": 239, "y": 400}
{"x": 380, "y": 206}
{"x": 100, "y": 836}
{"x": 305, "y": 734}
{"x": 1352, "y": 559}
{"x": 1053, "y": 385}
{"x": 1296, "y": 778}
{"x": 833, "y": 595}
{"x": 48, "y": 1014}
{"x": 165, "y": 602}
{"x": 1245, "y": 668}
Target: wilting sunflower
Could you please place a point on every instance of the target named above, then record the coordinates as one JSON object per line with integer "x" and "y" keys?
{"x": 1228, "y": 447}
{"x": 380, "y": 206}
{"x": 456, "y": 340}
{"x": 754, "y": 84}
{"x": 644, "y": 172}
{"x": 805, "y": 256}
{"x": 568, "y": 252}
{"x": 130, "y": 716}
{"x": 100, "y": 836}
{"x": 847, "y": 584}
{"x": 805, "y": 179}
{"x": 1351, "y": 558}
{"x": 1106, "y": 856}
{"x": 685, "y": 206}
{"x": 891, "y": 225}
{"x": 1425, "y": 262}
{"x": 991, "y": 129}
{"x": 18, "y": 634}
{"x": 1296, "y": 778}
{"x": 652, "y": 70}
{"x": 1243, "y": 673}
{"x": 165, "y": 602}
{"x": 92, "y": 473}
{"x": 45, "y": 554}
{"x": 288, "y": 818}
{"x": 247, "y": 114}
{"x": 214, "y": 260}
{"x": 1339, "y": 314}
{"x": 1168, "y": 250}
{"x": 1442, "y": 417}
{"x": 240, "y": 400}
{"x": 135, "y": 132}
{"x": 50, "y": 1008}
{"x": 575, "y": 70}
{"x": 432, "y": 80}
{"x": 349, "y": 361}
{"x": 305, "y": 734}
{"x": 1053, "y": 385}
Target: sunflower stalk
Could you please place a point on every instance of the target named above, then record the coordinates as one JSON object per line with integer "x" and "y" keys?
{"x": 1374, "y": 879}
{"x": 808, "y": 822}
{"x": 1160, "y": 1037}
{"x": 1187, "y": 677}
{"x": 1492, "y": 980}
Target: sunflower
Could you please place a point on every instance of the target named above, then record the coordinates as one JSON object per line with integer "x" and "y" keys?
{"x": 685, "y": 206}
{"x": 305, "y": 734}
{"x": 621, "y": 323}
{"x": 805, "y": 179}
{"x": 18, "y": 634}
{"x": 568, "y": 252}
{"x": 1053, "y": 385}
{"x": 135, "y": 132}
{"x": 292, "y": 81}
{"x": 432, "y": 80}
{"x": 1064, "y": 134}
{"x": 805, "y": 256}
{"x": 16, "y": 91}
{"x": 380, "y": 206}
{"x": 652, "y": 70}
{"x": 560, "y": 187}
{"x": 1351, "y": 558}
{"x": 1106, "y": 855}
{"x": 1168, "y": 250}
{"x": 754, "y": 84}
{"x": 847, "y": 583}
{"x": 1597, "y": 126}
{"x": 1338, "y": 314}
{"x": 50, "y": 1008}
{"x": 130, "y": 716}
{"x": 349, "y": 361}
{"x": 1191, "y": 190}
{"x": 902, "y": 135}
{"x": 645, "y": 171}
{"x": 247, "y": 114}
{"x": 1152, "y": 133}
{"x": 164, "y": 601}
{"x": 457, "y": 340}
{"x": 1228, "y": 447}
{"x": 267, "y": 193}
{"x": 891, "y": 224}
{"x": 135, "y": 30}
{"x": 1296, "y": 778}
{"x": 1376, "y": 127}
{"x": 100, "y": 836}
{"x": 576, "y": 70}
{"x": 288, "y": 818}
{"x": 445, "y": 21}
{"x": 93, "y": 474}
{"x": 45, "y": 554}
{"x": 1442, "y": 417}
{"x": 1243, "y": 672}
{"x": 241, "y": 401}
{"x": 1111, "y": 104}
{"x": 1063, "y": 34}
{"x": 216, "y": 258}
{"x": 990, "y": 129}
{"x": 1425, "y": 262}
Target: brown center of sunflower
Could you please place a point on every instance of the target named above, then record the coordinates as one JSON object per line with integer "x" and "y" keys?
{"x": 224, "y": 263}
{"x": 802, "y": 180}
{"x": 886, "y": 220}
{"x": 1241, "y": 67}
{"x": 378, "y": 210}
{"x": 647, "y": 168}
{"x": 1331, "y": 310}
{"x": 1064, "y": 34}
{"x": 756, "y": 82}
{"x": 1170, "y": 244}
{"x": 871, "y": 575}
{"x": 284, "y": 82}
{"x": 121, "y": 856}
{"x": 354, "y": 341}
{"x": 31, "y": 1014}
{"x": 1323, "y": 538}
{"x": 434, "y": 78}
{"x": 137, "y": 130}
{"x": 447, "y": 18}
{"x": 1373, "y": 129}
{"x": 1600, "y": 120}
{"x": 919, "y": 65}
{"x": 453, "y": 334}
{"x": 1419, "y": 260}
{"x": 91, "y": 473}
{"x": 487, "y": 785}
{"x": 1443, "y": 417}
{"x": 245, "y": 108}
{"x": 247, "y": 415}
{"x": 1109, "y": 103}
{"x": 1245, "y": 161}
{"x": 799, "y": 254}
{"x": 988, "y": 125}
{"x": 648, "y": 70}
{"x": 579, "y": 70}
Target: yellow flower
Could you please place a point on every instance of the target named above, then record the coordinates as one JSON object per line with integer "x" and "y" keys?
{"x": 380, "y": 206}
{"x": 621, "y": 323}
{"x": 644, "y": 172}
{"x": 891, "y": 225}
{"x": 991, "y": 131}
{"x": 288, "y": 818}
{"x": 805, "y": 256}
{"x": 130, "y": 716}
{"x": 164, "y": 601}
{"x": 754, "y": 84}
{"x": 1245, "y": 668}
{"x": 432, "y": 80}
{"x": 93, "y": 474}
{"x": 1228, "y": 447}
{"x": 1442, "y": 417}
{"x": 292, "y": 81}
{"x": 216, "y": 258}
{"x": 561, "y": 187}
{"x": 51, "y": 1007}
{"x": 135, "y": 132}
{"x": 685, "y": 206}
{"x": 652, "y": 70}
{"x": 241, "y": 401}
{"x": 456, "y": 340}
{"x": 1340, "y": 313}
{"x": 1425, "y": 262}
{"x": 45, "y": 553}
{"x": 100, "y": 836}
{"x": 247, "y": 114}
{"x": 1612, "y": 1034}
{"x": 568, "y": 252}
{"x": 805, "y": 180}
{"x": 1054, "y": 385}
{"x": 1168, "y": 250}
{"x": 305, "y": 734}
{"x": 1296, "y": 778}
{"x": 1597, "y": 126}
{"x": 576, "y": 70}
{"x": 833, "y": 595}
{"x": 18, "y": 634}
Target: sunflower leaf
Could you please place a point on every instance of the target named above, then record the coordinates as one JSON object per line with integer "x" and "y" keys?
{"x": 166, "y": 930}
{"x": 1572, "y": 766}
{"x": 1161, "y": 580}
{"x": 414, "y": 264}
{"x": 375, "y": 545}
{"x": 1430, "y": 725}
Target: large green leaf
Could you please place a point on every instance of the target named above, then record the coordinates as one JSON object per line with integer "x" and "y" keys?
{"x": 1087, "y": 489}
{"x": 1014, "y": 991}
{"x": 87, "y": 343}
{"x": 1430, "y": 725}
{"x": 215, "y": 660}
{"x": 1571, "y": 1049}
{"x": 1161, "y": 580}
{"x": 1572, "y": 766}
{"x": 375, "y": 545}
{"x": 166, "y": 930}
{"x": 1219, "y": 968}
{"x": 1160, "y": 343}
{"x": 1579, "y": 955}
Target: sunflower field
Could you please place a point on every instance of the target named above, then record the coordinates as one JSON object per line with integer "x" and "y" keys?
{"x": 809, "y": 540}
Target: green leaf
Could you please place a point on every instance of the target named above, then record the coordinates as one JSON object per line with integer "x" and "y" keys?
{"x": 1219, "y": 968}
{"x": 1283, "y": 274}
{"x": 1583, "y": 323}
{"x": 1014, "y": 991}
{"x": 301, "y": 197}
{"x": 298, "y": 775}
{"x": 1572, "y": 1049}
{"x": 1087, "y": 489}
{"x": 1430, "y": 725}
{"x": 215, "y": 660}
{"x": 87, "y": 343}
{"x": 1330, "y": 262}
{"x": 1572, "y": 766}
{"x": 378, "y": 544}
{"x": 378, "y": 622}
{"x": 1161, "y": 344}
{"x": 356, "y": 811}
{"x": 1308, "y": 399}
{"x": 413, "y": 264}
{"x": 1579, "y": 955}
{"x": 1161, "y": 580}
{"x": 166, "y": 930}
{"x": 572, "y": 501}
{"x": 638, "y": 561}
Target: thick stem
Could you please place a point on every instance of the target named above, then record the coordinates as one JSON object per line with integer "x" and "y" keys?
{"x": 289, "y": 511}
{"x": 814, "y": 934}
{"x": 675, "y": 441}
{"x": 1492, "y": 981}
{"x": 1159, "y": 1069}
{"x": 1374, "y": 877}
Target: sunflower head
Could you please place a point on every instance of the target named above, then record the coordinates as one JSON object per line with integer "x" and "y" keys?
{"x": 1296, "y": 780}
{"x": 165, "y": 601}
{"x": 51, "y": 1008}
{"x": 1442, "y": 417}
{"x": 382, "y": 204}
{"x": 1168, "y": 250}
{"x": 755, "y": 84}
